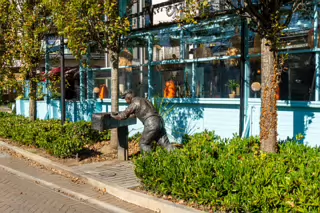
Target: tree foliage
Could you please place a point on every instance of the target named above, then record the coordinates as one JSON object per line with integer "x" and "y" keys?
{"x": 267, "y": 18}
{"x": 26, "y": 28}
{"x": 93, "y": 24}
{"x": 5, "y": 55}
{"x": 89, "y": 23}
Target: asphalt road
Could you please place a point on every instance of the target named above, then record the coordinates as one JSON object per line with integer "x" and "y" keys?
{"x": 24, "y": 196}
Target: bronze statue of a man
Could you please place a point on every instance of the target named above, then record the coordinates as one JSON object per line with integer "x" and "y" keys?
{"x": 154, "y": 129}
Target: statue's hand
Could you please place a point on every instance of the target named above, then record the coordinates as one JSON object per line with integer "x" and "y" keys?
{"x": 115, "y": 115}
{"x": 132, "y": 116}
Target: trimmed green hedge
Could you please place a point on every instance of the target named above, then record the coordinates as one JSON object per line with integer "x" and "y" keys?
{"x": 61, "y": 141}
{"x": 232, "y": 175}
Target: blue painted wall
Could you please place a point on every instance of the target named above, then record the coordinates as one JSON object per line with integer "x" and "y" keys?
{"x": 75, "y": 110}
{"x": 293, "y": 118}
{"x": 189, "y": 116}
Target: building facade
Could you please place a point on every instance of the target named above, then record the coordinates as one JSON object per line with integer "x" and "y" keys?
{"x": 198, "y": 69}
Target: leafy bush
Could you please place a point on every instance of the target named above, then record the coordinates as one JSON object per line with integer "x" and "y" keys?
{"x": 61, "y": 141}
{"x": 232, "y": 175}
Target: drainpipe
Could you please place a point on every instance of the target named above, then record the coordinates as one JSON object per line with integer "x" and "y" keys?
{"x": 316, "y": 42}
{"x": 90, "y": 80}
{"x": 63, "y": 82}
{"x": 244, "y": 76}
{"x": 82, "y": 82}
{"x": 150, "y": 73}
{"x": 47, "y": 69}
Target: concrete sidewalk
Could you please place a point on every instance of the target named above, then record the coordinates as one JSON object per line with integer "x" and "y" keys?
{"x": 113, "y": 177}
{"x": 68, "y": 191}
{"x": 116, "y": 172}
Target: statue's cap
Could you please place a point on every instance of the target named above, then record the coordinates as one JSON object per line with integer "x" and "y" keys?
{"x": 127, "y": 92}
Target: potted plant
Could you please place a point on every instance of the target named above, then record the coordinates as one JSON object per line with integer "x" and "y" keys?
{"x": 233, "y": 85}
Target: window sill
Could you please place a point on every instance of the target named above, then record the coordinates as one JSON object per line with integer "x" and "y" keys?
{"x": 296, "y": 104}
{"x": 236, "y": 101}
{"x": 223, "y": 101}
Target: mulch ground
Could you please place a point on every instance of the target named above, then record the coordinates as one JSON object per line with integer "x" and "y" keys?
{"x": 90, "y": 153}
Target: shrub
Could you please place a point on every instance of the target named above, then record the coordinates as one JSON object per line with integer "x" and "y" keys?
{"x": 61, "y": 141}
{"x": 135, "y": 138}
{"x": 232, "y": 175}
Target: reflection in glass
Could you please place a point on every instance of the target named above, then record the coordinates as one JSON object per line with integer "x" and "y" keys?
{"x": 212, "y": 78}
{"x": 135, "y": 79}
{"x": 103, "y": 82}
{"x": 172, "y": 81}
{"x": 297, "y": 79}
{"x": 213, "y": 40}
{"x": 166, "y": 47}
{"x": 299, "y": 35}
{"x": 254, "y": 43}
{"x": 255, "y": 76}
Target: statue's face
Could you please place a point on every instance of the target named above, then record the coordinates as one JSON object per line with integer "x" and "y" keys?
{"x": 128, "y": 99}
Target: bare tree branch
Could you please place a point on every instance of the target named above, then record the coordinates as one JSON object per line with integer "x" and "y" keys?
{"x": 292, "y": 11}
{"x": 250, "y": 8}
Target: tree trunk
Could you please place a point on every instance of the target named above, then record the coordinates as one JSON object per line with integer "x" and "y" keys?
{"x": 269, "y": 84}
{"x": 112, "y": 148}
{"x": 33, "y": 97}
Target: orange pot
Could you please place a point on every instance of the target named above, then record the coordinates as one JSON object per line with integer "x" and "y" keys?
{"x": 170, "y": 90}
{"x": 103, "y": 92}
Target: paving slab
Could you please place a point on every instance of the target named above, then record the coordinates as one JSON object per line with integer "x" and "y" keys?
{"x": 115, "y": 172}
{"x": 114, "y": 177}
{"x": 80, "y": 187}
{"x": 23, "y": 196}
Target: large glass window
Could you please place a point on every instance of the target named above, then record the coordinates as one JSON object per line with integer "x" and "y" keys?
{"x": 166, "y": 46}
{"x": 172, "y": 80}
{"x": 213, "y": 79}
{"x": 218, "y": 39}
{"x": 72, "y": 83}
{"x": 136, "y": 80}
{"x": 103, "y": 82}
{"x": 218, "y": 79}
{"x": 138, "y": 12}
{"x": 255, "y": 77}
{"x": 133, "y": 71}
{"x": 297, "y": 79}
{"x": 296, "y": 83}
{"x": 254, "y": 43}
{"x": 297, "y": 35}
{"x": 212, "y": 53}
{"x": 133, "y": 66}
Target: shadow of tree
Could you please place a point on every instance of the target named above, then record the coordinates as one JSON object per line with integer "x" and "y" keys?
{"x": 88, "y": 153}
{"x": 77, "y": 111}
{"x": 303, "y": 116}
{"x": 183, "y": 117}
